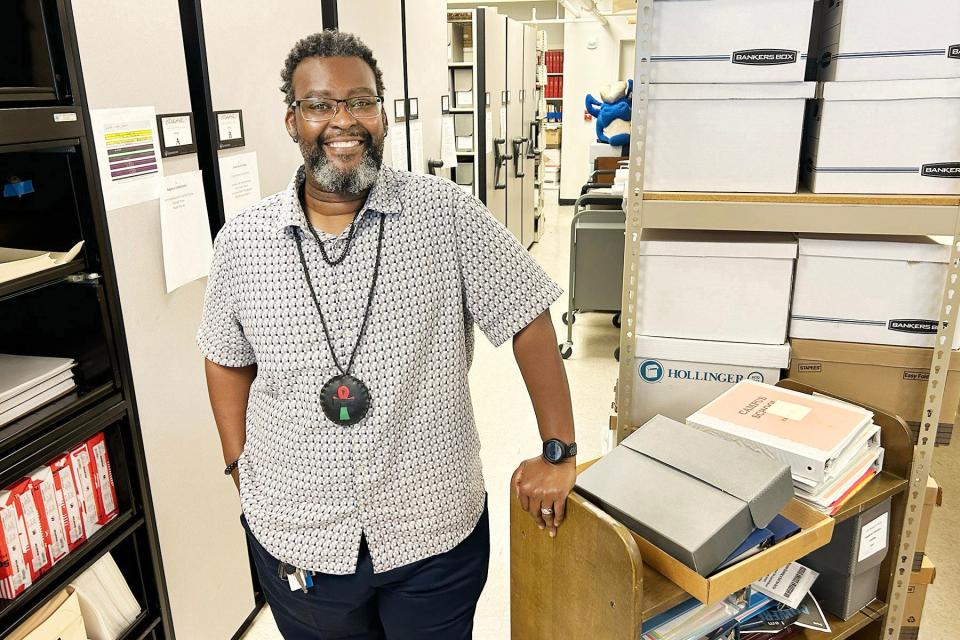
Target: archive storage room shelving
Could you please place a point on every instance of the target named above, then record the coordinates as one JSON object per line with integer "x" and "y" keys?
{"x": 70, "y": 311}
{"x": 591, "y": 580}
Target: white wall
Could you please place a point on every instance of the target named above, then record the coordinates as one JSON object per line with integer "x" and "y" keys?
{"x": 585, "y": 70}
{"x": 197, "y": 510}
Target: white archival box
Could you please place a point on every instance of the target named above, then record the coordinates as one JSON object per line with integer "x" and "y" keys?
{"x": 891, "y": 136}
{"x": 726, "y": 286}
{"x": 725, "y": 137}
{"x": 731, "y": 40}
{"x": 879, "y": 291}
{"x": 675, "y": 377}
{"x": 890, "y": 40}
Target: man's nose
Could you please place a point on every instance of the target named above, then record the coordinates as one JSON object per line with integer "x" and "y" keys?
{"x": 343, "y": 118}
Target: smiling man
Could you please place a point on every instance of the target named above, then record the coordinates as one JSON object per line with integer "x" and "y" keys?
{"x": 338, "y": 335}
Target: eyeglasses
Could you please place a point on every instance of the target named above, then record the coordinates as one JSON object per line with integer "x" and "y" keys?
{"x": 323, "y": 109}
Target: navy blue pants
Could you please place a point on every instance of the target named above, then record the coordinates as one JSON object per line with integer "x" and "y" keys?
{"x": 433, "y": 599}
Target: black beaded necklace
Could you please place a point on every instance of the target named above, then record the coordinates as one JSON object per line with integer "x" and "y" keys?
{"x": 345, "y": 399}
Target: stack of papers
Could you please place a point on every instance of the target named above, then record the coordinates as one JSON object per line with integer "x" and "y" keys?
{"x": 109, "y": 607}
{"x": 833, "y": 448}
{"x": 29, "y": 382}
{"x": 17, "y": 263}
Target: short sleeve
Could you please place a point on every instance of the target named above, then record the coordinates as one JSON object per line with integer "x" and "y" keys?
{"x": 504, "y": 287}
{"x": 220, "y": 337}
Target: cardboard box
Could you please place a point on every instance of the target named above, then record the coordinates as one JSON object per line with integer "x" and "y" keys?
{"x": 877, "y": 290}
{"x": 85, "y": 480}
{"x": 712, "y": 42}
{"x": 554, "y": 136}
{"x": 106, "y": 492}
{"x": 927, "y": 573}
{"x": 729, "y": 287}
{"x": 33, "y": 533}
{"x": 890, "y": 40}
{"x": 68, "y": 499}
{"x": 712, "y": 509}
{"x": 885, "y": 137}
{"x": 45, "y": 497}
{"x": 932, "y": 498}
{"x": 913, "y": 607}
{"x": 677, "y": 377}
{"x": 14, "y": 573}
{"x": 849, "y": 566}
{"x": 725, "y": 137}
{"x": 890, "y": 378}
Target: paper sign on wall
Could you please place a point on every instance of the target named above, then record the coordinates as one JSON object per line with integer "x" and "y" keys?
{"x": 128, "y": 155}
{"x": 240, "y": 182}
{"x": 184, "y": 229}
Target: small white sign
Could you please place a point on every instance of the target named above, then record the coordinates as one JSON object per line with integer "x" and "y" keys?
{"x": 176, "y": 131}
{"x": 873, "y": 537}
{"x": 228, "y": 125}
{"x": 240, "y": 181}
{"x": 789, "y": 410}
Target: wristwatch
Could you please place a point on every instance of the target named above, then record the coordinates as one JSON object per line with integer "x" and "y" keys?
{"x": 556, "y": 451}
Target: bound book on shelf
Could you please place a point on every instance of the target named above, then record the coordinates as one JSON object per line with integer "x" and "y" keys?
{"x": 811, "y": 434}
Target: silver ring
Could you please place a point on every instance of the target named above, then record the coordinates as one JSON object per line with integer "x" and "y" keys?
{"x": 546, "y": 512}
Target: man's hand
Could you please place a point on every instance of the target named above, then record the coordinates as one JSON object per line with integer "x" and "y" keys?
{"x": 541, "y": 485}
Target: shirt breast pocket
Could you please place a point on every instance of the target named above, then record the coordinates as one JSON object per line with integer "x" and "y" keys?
{"x": 300, "y": 390}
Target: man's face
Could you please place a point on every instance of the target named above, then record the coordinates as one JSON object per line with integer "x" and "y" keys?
{"x": 342, "y": 154}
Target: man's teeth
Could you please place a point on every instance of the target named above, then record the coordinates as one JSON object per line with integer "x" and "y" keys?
{"x": 345, "y": 144}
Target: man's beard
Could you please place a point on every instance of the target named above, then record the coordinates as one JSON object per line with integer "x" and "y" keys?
{"x": 333, "y": 179}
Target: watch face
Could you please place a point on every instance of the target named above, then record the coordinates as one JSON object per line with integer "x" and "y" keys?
{"x": 553, "y": 451}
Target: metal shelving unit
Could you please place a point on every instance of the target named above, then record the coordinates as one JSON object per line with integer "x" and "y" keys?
{"x": 72, "y": 310}
{"x": 796, "y": 213}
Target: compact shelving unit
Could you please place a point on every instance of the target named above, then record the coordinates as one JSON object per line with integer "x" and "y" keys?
{"x": 71, "y": 311}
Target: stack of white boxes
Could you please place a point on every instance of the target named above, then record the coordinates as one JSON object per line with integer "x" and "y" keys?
{"x": 888, "y": 115}
{"x": 713, "y": 310}
{"x": 728, "y": 95}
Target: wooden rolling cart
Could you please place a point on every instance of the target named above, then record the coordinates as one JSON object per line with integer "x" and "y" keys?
{"x": 590, "y": 582}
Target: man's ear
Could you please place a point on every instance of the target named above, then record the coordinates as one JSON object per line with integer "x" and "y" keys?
{"x": 386, "y": 125}
{"x": 290, "y": 121}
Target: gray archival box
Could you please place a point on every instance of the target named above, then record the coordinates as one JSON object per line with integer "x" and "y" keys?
{"x": 690, "y": 493}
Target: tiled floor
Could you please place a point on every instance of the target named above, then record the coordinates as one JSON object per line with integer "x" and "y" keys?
{"x": 508, "y": 432}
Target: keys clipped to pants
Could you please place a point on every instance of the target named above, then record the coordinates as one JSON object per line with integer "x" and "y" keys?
{"x": 297, "y": 578}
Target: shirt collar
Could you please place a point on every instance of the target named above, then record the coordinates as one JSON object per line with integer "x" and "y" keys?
{"x": 384, "y": 197}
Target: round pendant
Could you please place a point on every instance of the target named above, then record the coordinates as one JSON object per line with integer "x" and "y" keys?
{"x": 345, "y": 400}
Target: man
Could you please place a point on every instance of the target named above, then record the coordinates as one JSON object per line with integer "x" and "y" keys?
{"x": 338, "y": 333}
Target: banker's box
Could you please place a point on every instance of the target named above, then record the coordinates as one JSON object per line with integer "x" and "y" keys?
{"x": 721, "y": 286}
{"x": 849, "y": 566}
{"x": 890, "y": 378}
{"x": 871, "y": 290}
{"x": 693, "y": 495}
{"x": 675, "y": 378}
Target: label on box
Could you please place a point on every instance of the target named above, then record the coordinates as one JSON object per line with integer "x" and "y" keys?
{"x": 81, "y": 466}
{"x": 916, "y": 376}
{"x": 919, "y": 326}
{"x": 34, "y": 530}
{"x": 941, "y": 170}
{"x": 810, "y": 367}
{"x": 953, "y": 51}
{"x": 764, "y": 57}
{"x": 873, "y": 537}
{"x": 789, "y": 410}
{"x": 104, "y": 480}
{"x": 19, "y": 575}
{"x": 58, "y": 538}
{"x": 71, "y": 502}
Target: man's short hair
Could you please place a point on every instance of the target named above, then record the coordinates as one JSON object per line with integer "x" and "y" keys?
{"x": 327, "y": 44}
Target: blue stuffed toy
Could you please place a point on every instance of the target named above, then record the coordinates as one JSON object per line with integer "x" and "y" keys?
{"x": 613, "y": 114}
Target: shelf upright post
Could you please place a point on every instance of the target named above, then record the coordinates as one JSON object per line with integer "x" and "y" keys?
{"x": 923, "y": 451}
{"x": 633, "y": 209}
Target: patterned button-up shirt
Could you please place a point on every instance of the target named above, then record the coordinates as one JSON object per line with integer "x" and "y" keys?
{"x": 408, "y": 475}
